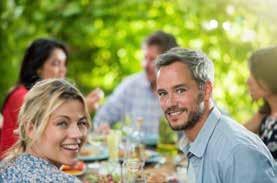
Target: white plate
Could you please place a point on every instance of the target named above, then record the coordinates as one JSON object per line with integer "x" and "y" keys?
{"x": 98, "y": 152}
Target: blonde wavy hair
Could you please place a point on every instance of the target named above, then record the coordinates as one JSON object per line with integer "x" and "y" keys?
{"x": 39, "y": 103}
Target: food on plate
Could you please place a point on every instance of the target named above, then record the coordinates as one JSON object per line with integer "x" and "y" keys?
{"x": 146, "y": 154}
{"x": 93, "y": 178}
{"x": 77, "y": 169}
{"x": 88, "y": 151}
{"x": 85, "y": 151}
{"x": 121, "y": 153}
{"x": 157, "y": 177}
{"x": 149, "y": 153}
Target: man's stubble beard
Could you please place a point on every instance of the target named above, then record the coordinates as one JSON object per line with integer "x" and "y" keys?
{"x": 193, "y": 117}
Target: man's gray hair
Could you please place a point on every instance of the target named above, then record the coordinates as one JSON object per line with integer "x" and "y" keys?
{"x": 199, "y": 64}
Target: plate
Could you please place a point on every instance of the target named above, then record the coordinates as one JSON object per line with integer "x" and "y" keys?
{"x": 150, "y": 140}
{"x": 93, "y": 152}
{"x": 77, "y": 170}
{"x": 152, "y": 156}
{"x": 154, "y": 159}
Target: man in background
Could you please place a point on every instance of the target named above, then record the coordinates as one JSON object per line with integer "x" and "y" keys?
{"x": 135, "y": 99}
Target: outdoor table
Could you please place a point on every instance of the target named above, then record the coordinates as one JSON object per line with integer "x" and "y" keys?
{"x": 166, "y": 168}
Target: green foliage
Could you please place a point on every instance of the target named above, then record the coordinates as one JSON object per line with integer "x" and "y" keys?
{"x": 166, "y": 134}
{"x": 105, "y": 37}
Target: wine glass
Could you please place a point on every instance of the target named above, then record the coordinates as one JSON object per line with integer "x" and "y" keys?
{"x": 132, "y": 171}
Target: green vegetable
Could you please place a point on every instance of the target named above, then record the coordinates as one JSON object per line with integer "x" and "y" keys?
{"x": 93, "y": 178}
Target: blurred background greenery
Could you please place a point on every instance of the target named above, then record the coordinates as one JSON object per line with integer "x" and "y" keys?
{"x": 104, "y": 37}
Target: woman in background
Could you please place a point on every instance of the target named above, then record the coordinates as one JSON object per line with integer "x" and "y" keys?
{"x": 53, "y": 126}
{"x": 262, "y": 84}
{"x": 43, "y": 59}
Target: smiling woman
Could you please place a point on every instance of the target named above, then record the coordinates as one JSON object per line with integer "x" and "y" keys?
{"x": 43, "y": 59}
{"x": 53, "y": 126}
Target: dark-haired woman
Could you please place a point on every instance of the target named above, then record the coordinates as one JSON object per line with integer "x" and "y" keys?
{"x": 262, "y": 84}
{"x": 43, "y": 59}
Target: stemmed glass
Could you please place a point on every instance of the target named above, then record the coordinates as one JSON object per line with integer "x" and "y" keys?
{"x": 132, "y": 171}
{"x": 134, "y": 159}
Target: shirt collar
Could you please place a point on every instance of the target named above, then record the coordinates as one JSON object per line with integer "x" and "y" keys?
{"x": 184, "y": 144}
{"x": 199, "y": 145}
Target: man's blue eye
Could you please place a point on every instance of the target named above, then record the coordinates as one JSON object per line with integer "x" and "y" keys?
{"x": 161, "y": 94}
{"x": 180, "y": 90}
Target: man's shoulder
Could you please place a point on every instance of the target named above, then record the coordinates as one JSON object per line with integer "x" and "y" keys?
{"x": 233, "y": 131}
{"x": 230, "y": 135}
{"x": 134, "y": 81}
{"x": 232, "y": 149}
{"x": 134, "y": 78}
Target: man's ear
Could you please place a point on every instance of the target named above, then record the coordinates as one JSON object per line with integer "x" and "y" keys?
{"x": 208, "y": 90}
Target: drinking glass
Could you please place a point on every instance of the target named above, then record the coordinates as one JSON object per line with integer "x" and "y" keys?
{"x": 132, "y": 171}
{"x": 113, "y": 141}
{"x": 96, "y": 138}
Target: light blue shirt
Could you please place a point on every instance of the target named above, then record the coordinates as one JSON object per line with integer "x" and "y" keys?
{"x": 134, "y": 99}
{"x": 226, "y": 152}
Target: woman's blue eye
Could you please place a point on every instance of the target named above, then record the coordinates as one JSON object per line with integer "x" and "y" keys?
{"x": 83, "y": 123}
{"x": 62, "y": 124}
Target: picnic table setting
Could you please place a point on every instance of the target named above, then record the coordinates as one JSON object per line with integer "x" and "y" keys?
{"x": 121, "y": 156}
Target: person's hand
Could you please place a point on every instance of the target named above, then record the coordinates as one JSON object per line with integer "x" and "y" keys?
{"x": 16, "y": 132}
{"x": 93, "y": 99}
{"x": 103, "y": 128}
{"x": 1, "y": 121}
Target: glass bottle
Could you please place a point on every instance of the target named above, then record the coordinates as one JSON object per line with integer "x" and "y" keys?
{"x": 135, "y": 148}
{"x": 132, "y": 168}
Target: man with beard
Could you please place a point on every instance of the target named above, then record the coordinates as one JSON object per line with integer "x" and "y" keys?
{"x": 219, "y": 150}
{"x": 135, "y": 97}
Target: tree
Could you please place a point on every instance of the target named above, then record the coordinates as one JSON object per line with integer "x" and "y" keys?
{"x": 105, "y": 37}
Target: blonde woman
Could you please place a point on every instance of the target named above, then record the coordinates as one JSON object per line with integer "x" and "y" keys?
{"x": 53, "y": 125}
{"x": 43, "y": 59}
